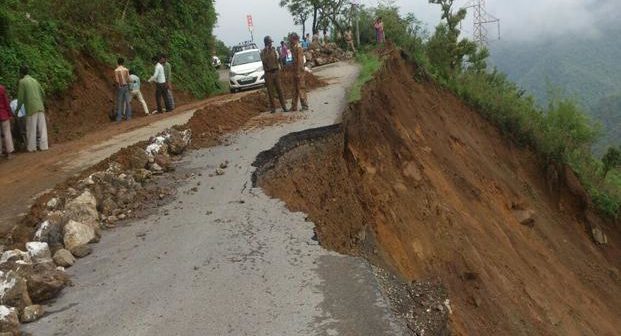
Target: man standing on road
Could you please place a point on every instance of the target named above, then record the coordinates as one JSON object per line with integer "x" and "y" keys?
{"x": 159, "y": 77}
{"x": 134, "y": 86}
{"x": 19, "y": 129}
{"x": 30, "y": 95}
{"x": 271, "y": 66}
{"x": 298, "y": 74}
{"x": 5, "y": 121}
{"x": 121, "y": 77}
{"x": 168, "y": 74}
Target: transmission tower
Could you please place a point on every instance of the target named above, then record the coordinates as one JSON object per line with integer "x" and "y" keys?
{"x": 481, "y": 19}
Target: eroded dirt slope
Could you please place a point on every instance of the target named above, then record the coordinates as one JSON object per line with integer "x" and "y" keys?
{"x": 423, "y": 185}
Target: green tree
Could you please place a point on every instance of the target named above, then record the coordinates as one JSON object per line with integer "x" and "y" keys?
{"x": 612, "y": 159}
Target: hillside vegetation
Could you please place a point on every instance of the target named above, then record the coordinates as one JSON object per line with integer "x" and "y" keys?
{"x": 559, "y": 132}
{"x": 585, "y": 68}
{"x": 53, "y": 36}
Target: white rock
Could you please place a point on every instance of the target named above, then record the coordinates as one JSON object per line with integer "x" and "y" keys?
{"x": 15, "y": 255}
{"x": 42, "y": 227}
{"x": 52, "y": 203}
{"x": 77, "y": 234}
{"x": 38, "y": 251}
{"x": 83, "y": 209}
{"x": 9, "y": 320}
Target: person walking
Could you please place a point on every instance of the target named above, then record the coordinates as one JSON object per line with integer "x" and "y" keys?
{"x": 271, "y": 66}
{"x": 5, "y": 123}
{"x": 349, "y": 39}
{"x": 379, "y": 30}
{"x": 134, "y": 89}
{"x": 30, "y": 95}
{"x": 168, "y": 75}
{"x": 284, "y": 52}
{"x": 159, "y": 77}
{"x": 298, "y": 75}
{"x": 121, "y": 77}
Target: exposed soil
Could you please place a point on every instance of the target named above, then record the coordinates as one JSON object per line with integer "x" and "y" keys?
{"x": 85, "y": 107}
{"x": 422, "y": 185}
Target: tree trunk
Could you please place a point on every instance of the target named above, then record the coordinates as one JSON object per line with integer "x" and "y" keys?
{"x": 315, "y": 12}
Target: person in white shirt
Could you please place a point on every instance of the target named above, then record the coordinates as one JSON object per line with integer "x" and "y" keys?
{"x": 134, "y": 90}
{"x": 161, "y": 89}
{"x": 19, "y": 128}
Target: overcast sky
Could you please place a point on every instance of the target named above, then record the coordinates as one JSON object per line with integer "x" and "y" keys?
{"x": 520, "y": 19}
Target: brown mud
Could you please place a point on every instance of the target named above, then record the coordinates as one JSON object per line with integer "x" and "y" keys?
{"x": 422, "y": 185}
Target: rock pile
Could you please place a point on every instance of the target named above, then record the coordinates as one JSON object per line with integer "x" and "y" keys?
{"x": 318, "y": 54}
{"x": 74, "y": 219}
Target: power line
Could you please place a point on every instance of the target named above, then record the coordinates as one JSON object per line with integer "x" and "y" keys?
{"x": 481, "y": 19}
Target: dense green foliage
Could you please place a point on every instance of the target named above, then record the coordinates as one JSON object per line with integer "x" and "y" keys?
{"x": 560, "y": 132}
{"x": 51, "y": 36}
{"x": 586, "y": 67}
{"x": 370, "y": 63}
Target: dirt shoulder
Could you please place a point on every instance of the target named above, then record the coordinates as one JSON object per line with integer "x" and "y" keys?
{"x": 28, "y": 175}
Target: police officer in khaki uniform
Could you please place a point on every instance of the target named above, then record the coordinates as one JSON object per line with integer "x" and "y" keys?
{"x": 298, "y": 74}
{"x": 271, "y": 66}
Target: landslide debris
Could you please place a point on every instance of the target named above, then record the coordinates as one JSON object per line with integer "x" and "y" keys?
{"x": 423, "y": 186}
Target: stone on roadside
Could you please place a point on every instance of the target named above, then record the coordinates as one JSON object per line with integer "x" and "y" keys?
{"x": 9, "y": 320}
{"x": 15, "y": 256}
{"x": 39, "y": 251}
{"x": 45, "y": 282}
{"x": 219, "y": 171}
{"x": 53, "y": 203}
{"x": 178, "y": 141}
{"x": 137, "y": 158}
{"x": 76, "y": 234}
{"x": 83, "y": 209}
{"x": 163, "y": 160}
{"x": 64, "y": 258}
{"x": 525, "y": 217}
{"x": 141, "y": 175}
{"x": 14, "y": 290}
{"x": 32, "y": 313}
{"x": 81, "y": 251}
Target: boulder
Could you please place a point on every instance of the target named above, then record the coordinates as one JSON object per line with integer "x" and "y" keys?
{"x": 141, "y": 175}
{"x": 178, "y": 141}
{"x": 14, "y": 290}
{"x": 39, "y": 251}
{"x": 64, "y": 258}
{"x": 525, "y": 217}
{"x": 53, "y": 203}
{"x": 599, "y": 236}
{"x": 81, "y": 251}
{"x": 83, "y": 209}
{"x": 15, "y": 256}
{"x": 32, "y": 313}
{"x": 9, "y": 321}
{"x": 50, "y": 231}
{"x": 137, "y": 158}
{"x": 45, "y": 282}
{"x": 108, "y": 205}
{"x": 163, "y": 161}
{"x": 76, "y": 234}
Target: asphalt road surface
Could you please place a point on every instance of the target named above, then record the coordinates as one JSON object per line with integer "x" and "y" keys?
{"x": 225, "y": 260}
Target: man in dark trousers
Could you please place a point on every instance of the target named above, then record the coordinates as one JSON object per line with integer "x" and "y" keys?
{"x": 161, "y": 89}
{"x": 271, "y": 66}
{"x": 298, "y": 74}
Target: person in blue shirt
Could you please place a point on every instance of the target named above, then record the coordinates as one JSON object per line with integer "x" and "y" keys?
{"x": 306, "y": 42}
{"x": 134, "y": 91}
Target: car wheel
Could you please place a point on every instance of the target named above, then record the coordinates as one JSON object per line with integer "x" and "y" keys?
{"x": 233, "y": 90}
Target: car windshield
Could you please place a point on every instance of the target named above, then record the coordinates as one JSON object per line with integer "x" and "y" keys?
{"x": 245, "y": 58}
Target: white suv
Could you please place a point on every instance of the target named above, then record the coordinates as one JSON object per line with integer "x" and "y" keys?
{"x": 246, "y": 70}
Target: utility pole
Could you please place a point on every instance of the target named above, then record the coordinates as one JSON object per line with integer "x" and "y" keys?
{"x": 481, "y": 19}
